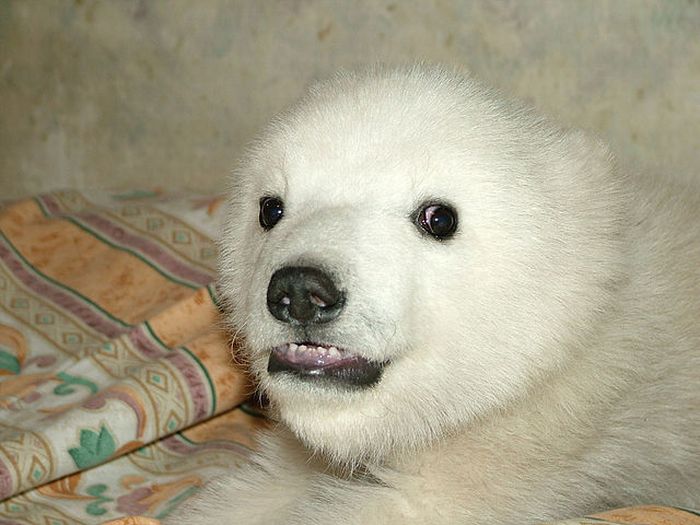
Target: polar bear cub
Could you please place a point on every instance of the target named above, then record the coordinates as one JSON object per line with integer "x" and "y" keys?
{"x": 461, "y": 313}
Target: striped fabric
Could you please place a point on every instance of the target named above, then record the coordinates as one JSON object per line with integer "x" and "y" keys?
{"x": 110, "y": 346}
{"x": 118, "y": 396}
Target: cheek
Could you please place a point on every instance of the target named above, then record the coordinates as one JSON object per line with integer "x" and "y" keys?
{"x": 444, "y": 286}
{"x": 239, "y": 274}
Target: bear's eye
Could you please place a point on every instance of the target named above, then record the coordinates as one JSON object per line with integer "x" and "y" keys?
{"x": 271, "y": 211}
{"x": 438, "y": 220}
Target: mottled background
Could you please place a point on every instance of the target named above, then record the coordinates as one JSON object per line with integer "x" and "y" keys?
{"x": 118, "y": 94}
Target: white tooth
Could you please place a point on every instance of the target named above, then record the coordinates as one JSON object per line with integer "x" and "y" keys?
{"x": 293, "y": 347}
{"x": 333, "y": 352}
{"x": 302, "y": 348}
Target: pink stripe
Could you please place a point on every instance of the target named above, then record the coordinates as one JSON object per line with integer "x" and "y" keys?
{"x": 51, "y": 204}
{"x": 193, "y": 377}
{"x": 144, "y": 247}
{"x": 198, "y": 388}
{"x": 82, "y": 310}
{"x": 6, "y": 488}
{"x": 178, "y": 445}
{"x": 143, "y": 343}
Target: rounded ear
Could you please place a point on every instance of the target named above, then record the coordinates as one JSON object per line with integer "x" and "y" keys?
{"x": 590, "y": 147}
{"x": 583, "y": 156}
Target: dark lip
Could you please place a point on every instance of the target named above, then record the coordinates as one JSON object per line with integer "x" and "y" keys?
{"x": 349, "y": 370}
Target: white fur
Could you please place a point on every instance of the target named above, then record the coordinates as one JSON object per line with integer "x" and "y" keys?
{"x": 545, "y": 361}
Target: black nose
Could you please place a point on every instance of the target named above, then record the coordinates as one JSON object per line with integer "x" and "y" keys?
{"x": 304, "y": 295}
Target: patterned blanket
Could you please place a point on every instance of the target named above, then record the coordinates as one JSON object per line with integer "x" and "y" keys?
{"x": 118, "y": 395}
{"x": 110, "y": 347}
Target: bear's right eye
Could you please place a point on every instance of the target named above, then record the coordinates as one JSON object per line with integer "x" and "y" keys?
{"x": 271, "y": 211}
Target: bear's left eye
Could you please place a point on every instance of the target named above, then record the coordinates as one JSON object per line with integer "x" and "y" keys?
{"x": 438, "y": 220}
{"x": 271, "y": 211}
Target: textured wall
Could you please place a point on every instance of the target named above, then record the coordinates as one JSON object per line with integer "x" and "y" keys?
{"x": 166, "y": 92}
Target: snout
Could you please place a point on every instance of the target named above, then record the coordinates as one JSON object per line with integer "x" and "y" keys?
{"x": 304, "y": 295}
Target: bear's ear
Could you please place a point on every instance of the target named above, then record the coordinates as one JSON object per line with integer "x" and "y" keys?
{"x": 585, "y": 156}
{"x": 590, "y": 147}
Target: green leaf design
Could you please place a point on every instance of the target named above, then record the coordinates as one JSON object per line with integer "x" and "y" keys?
{"x": 68, "y": 381}
{"x": 9, "y": 362}
{"x": 95, "y": 508}
{"x": 94, "y": 448}
{"x": 105, "y": 443}
{"x": 96, "y": 491}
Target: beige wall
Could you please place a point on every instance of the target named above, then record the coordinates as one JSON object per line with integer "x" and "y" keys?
{"x": 165, "y": 92}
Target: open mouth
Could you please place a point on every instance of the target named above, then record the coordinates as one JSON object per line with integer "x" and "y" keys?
{"x": 324, "y": 362}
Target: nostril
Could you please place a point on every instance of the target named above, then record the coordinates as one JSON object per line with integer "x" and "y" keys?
{"x": 303, "y": 294}
{"x": 318, "y": 301}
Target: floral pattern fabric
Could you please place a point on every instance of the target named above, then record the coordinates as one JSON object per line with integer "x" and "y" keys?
{"x": 118, "y": 394}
